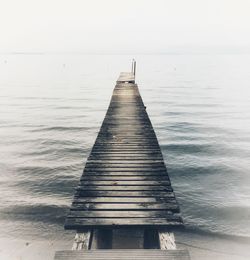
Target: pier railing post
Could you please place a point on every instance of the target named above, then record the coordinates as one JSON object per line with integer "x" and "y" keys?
{"x": 133, "y": 66}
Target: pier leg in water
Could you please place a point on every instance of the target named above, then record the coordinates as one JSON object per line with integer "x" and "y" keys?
{"x": 83, "y": 240}
{"x": 166, "y": 240}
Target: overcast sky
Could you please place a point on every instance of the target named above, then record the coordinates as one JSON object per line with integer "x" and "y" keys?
{"x": 121, "y": 25}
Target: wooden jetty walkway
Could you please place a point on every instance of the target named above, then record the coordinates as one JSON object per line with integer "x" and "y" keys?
{"x": 125, "y": 184}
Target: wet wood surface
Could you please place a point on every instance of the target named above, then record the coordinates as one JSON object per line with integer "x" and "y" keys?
{"x": 125, "y": 180}
{"x": 123, "y": 254}
{"x": 126, "y": 77}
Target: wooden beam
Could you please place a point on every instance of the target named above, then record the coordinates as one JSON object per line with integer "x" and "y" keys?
{"x": 123, "y": 254}
{"x": 82, "y": 240}
{"x": 166, "y": 240}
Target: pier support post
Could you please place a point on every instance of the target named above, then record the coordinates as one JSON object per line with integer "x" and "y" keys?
{"x": 83, "y": 240}
{"x": 166, "y": 240}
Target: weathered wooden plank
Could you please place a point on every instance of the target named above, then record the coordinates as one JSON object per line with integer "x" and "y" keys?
{"x": 96, "y": 193}
{"x": 127, "y": 214}
{"x": 126, "y": 145}
{"x": 122, "y": 133}
{"x": 129, "y": 149}
{"x": 124, "y": 153}
{"x": 76, "y": 223}
{"x": 122, "y": 169}
{"x": 123, "y": 254}
{"x": 145, "y": 122}
{"x": 82, "y": 240}
{"x": 110, "y": 177}
{"x": 126, "y": 206}
{"x": 125, "y": 148}
{"x": 124, "y": 200}
{"x": 116, "y": 151}
{"x": 110, "y": 137}
{"x": 125, "y": 140}
{"x": 125, "y": 158}
{"x": 124, "y": 172}
{"x": 123, "y": 188}
{"x": 119, "y": 152}
{"x": 125, "y": 183}
{"x": 127, "y": 162}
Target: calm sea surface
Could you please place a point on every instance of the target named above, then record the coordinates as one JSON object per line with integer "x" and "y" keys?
{"x": 51, "y": 108}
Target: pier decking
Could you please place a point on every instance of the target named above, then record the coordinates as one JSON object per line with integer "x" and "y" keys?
{"x": 123, "y": 255}
{"x": 125, "y": 182}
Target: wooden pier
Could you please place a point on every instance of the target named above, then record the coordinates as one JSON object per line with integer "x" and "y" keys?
{"x": 125, "y": 185}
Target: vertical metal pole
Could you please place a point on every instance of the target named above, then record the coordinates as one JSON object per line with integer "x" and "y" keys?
{"x": 134, "y": 67}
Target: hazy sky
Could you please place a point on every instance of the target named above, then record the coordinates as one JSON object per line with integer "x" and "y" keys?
{"x": 121, "y": 25}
